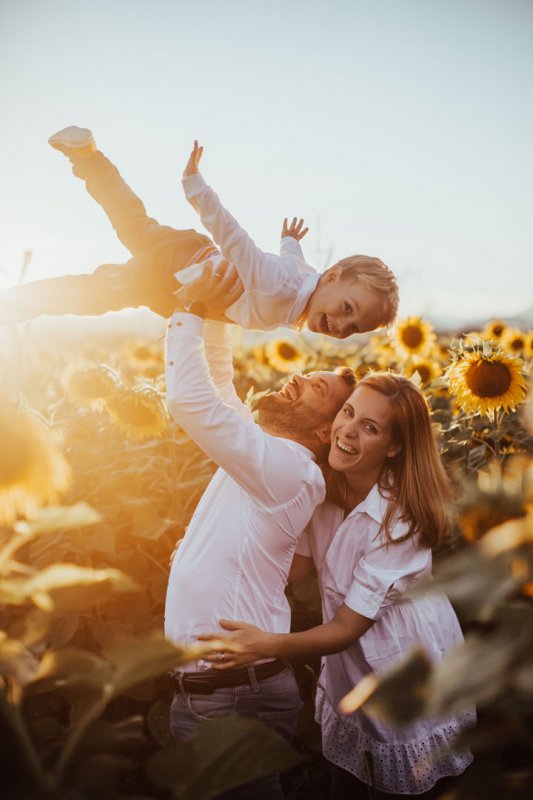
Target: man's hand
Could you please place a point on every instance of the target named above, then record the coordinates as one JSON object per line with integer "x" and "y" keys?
{"x": 193, "y": 163}
{"x": 244, "y": 645}
{"x": 294, "y": 229}
{"x": 217, "y": 288}
{"x": 173, "y": 553}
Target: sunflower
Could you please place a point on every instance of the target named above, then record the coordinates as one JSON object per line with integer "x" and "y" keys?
{"x": 285, "y": 355}
{"x": 528, "y": 350}
{"x": 32, "y": 469}
{"x": 485, "y": 380}
{"x": 494, "y": 330}
{"x": 514, "y": 341}
{"x": 90, "y": 384}
{"x": 260, "y": 357}
{"x": 428, "y": 369}
{"x": 138, "y": 412}
{"x": 144, "y": 357}
{"x": 414, "y": 336}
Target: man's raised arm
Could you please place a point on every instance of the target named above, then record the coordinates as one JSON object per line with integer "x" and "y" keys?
{"x": 219, "y": 422}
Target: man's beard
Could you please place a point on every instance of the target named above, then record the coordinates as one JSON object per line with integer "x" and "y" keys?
{"x": 295, "y": 419}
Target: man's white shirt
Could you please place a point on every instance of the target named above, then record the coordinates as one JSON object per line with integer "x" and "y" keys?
{"x": 277, "y": 288}
{"x": 238, "y": 548}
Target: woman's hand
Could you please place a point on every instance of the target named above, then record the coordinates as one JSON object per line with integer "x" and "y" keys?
{"x": 252, "y": 643}
{"x": 193, "y": 164}
{"x": 294, "y": 229}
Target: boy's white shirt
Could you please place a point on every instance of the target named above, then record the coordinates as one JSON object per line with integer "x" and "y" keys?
{"x": 277, "y": 288}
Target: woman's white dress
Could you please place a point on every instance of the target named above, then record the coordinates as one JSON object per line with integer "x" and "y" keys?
{"x": 355, "y": 566}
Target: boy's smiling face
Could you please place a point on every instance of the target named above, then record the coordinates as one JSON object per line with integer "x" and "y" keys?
{"x": 340, "y": 306}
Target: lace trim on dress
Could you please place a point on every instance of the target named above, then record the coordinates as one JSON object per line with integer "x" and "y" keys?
{"x": 411, "y": 767}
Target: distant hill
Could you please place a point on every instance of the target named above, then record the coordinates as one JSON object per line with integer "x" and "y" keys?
{"x": 139, "y": 324}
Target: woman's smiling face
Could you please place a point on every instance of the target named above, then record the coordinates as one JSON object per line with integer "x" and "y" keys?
{"x": 362, "y": 434}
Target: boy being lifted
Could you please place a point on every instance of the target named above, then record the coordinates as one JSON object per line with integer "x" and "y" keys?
{"x": 356, "y": 295}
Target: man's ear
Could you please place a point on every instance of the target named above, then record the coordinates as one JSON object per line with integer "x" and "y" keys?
{"x": 332, "y": 274}
{"x": 324, "y": 435}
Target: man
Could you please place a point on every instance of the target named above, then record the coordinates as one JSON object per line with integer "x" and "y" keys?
{"x": 236, "y": 554}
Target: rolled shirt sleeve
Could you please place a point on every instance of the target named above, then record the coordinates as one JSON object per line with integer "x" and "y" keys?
{"x": 224, "y": 427}
{"x": 385, "y": 572}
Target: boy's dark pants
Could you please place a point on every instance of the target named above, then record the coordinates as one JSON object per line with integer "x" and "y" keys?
{"x": 147, "y": 279}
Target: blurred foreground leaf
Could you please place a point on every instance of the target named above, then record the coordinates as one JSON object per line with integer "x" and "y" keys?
{"x": 137, "y": 659}
{"x": 65, "y": 587}
{"x": 15, "y": 660}
{"x": 124, "y": 664}
{"x": 58, "y": 518}
{"x": 398, "y": 696}
{"x": 224, "y": 753}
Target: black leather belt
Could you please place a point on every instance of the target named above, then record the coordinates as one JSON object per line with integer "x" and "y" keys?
{"x": 210, "y": 679}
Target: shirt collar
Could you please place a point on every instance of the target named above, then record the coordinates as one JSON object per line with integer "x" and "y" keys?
{"x": 299, "y": 446}
{"x": 375, "y": 504}
{"x": 305, "y": 291}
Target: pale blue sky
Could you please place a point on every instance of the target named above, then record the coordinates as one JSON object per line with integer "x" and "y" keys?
{"x": 397, "y": 128}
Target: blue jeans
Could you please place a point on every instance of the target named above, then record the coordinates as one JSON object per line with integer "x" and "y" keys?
{"x": 275, "y": 701}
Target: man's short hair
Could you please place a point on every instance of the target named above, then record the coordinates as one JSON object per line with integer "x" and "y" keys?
{"x": 348, "y": 375}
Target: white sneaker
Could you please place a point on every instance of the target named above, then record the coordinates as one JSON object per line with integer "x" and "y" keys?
{"x": 73, "y": 141}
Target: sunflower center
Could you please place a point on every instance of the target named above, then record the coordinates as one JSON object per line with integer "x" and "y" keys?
{"x": 137, "y": 413}
{"x": 497, "y": 330}
{"x": 517, "y": 343}
{"x": 424, "y": 372}
{"x": 412, "y": 336}
{"x": 488, "y": 378}
{"x": 287, "y": 351}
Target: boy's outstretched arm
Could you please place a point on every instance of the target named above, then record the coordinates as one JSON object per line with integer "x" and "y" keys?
{"x": 253, "y": 264}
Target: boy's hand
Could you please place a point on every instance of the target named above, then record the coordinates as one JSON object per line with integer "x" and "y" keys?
{"x": 192, "y": 167}
{"x": 217, "y": 288}
{"x": 294, "y": 229}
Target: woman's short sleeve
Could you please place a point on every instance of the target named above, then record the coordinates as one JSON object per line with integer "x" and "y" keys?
{"x": 384, "y": 573}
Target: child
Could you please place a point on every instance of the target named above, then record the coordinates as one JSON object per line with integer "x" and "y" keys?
{"x": 358, "y": 294}
{"x": 370, "y": 543}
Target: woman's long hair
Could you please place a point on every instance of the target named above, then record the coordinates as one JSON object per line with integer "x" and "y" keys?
{"x": 420, "y": 488}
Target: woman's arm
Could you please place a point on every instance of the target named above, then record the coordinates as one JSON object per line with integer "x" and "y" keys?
{"x": 246, "y": 643}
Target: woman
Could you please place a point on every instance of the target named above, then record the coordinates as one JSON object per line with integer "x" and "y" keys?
{"x": 371, "y": 542}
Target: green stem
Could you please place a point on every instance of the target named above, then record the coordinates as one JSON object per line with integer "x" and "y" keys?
{"x": 18, "y": 754}
{"x": 73, "y": 740}
{"x": 487, "y": 444}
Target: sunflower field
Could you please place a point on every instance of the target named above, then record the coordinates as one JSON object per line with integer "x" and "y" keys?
{"x": 98, "y": 484}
